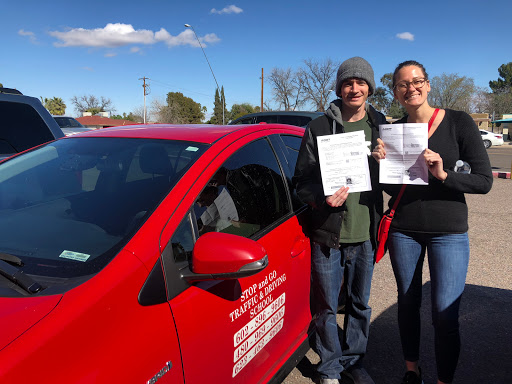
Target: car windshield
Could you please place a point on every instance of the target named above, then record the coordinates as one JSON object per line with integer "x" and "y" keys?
{"x": 68, "y": 122}
{"x": 68, "y": 207}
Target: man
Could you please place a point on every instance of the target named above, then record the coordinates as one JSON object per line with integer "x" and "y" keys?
{"x": 342, "y": 228}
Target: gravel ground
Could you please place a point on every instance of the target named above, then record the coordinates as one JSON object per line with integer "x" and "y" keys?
{"x": 486, "y": 309}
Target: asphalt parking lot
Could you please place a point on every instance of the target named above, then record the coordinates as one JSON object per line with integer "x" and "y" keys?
{"x": 486, "y": 309}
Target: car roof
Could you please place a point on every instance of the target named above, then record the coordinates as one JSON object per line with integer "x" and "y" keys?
{"x": 201, "y": 133}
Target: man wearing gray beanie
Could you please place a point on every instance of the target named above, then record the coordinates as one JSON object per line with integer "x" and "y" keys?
{"x": 342, "y": 228}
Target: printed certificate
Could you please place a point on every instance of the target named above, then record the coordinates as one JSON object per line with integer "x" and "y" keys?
{"x": 344, "y": 162}
{"x": 404, "y": 144}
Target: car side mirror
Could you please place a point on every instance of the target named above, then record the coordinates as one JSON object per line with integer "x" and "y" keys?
{"x": 222, "y": 256}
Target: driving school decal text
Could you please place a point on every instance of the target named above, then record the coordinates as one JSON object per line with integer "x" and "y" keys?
{"x": 267, "y": 318}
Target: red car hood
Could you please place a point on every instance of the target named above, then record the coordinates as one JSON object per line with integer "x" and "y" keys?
{"x": 19, "y": 314}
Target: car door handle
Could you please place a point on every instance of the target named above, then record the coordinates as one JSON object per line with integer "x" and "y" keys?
{"x": 299, "y": 246}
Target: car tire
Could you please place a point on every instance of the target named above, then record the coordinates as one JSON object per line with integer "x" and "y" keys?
{"x": 487, "y": 144}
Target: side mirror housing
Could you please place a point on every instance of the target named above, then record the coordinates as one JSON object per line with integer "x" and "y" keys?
{"x": 222, "y": 256}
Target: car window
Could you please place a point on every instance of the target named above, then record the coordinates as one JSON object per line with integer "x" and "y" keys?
{"x": 299, "y": 121}
{"x": 250, "y": 193}
{"x": 266, "y": 119}
{"x": 289, "y": 145}
{"x": 19, "y": 117}
{"x": 244, "y": 197}
{"x": 88, "y": 195}
{"x": 292, "y": 144}
{"x": 247, "y": 120}
{"x": 68, "y": 122}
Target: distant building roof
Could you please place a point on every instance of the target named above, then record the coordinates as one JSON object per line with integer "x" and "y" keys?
{"x": 103, "y": 121}
{"x": 502, "y": 121}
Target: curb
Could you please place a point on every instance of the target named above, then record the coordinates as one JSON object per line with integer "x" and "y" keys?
{"x": 501, "y": 175}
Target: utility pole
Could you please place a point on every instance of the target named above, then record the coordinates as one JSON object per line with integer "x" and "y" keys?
{"x": 146, "y": 92}
{"x": 261, "y": 109}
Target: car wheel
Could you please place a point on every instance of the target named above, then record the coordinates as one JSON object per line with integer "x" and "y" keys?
{"x": 487, "y": 144}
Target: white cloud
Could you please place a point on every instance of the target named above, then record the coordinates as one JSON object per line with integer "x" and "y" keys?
{"x": 135, "y": 50}
{"x": 31, "y": 35}
{"x": 405, "y": 36}
{"x": 88, "y": 69}
{"x": 228, "y": 9}
{"x": 110, "y": 54}
{"x": 117, "y": 35}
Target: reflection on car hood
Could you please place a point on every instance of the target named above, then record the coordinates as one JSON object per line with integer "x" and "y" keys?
{"x": 19, "y": 314}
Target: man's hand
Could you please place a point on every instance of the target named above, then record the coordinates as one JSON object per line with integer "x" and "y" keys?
{"x": 337, "y": 198}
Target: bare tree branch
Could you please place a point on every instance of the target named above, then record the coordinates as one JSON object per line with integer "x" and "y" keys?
{"x": 318, "y": 78}
{"x": 287, "y": 89}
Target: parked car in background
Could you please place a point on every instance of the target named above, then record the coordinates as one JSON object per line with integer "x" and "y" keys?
{"x": 161, "y": 254}
{"x": 490, "y": 138}
{"x": 298, "y": 118}
{"x": 24, "y": 123}
{"x": 70, "y": 125}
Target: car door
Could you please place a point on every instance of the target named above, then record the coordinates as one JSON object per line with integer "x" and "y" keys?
{"x": 241, "y": 331}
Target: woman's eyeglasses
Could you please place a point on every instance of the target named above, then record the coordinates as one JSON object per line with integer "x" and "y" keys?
{"x": 416, "y": 83}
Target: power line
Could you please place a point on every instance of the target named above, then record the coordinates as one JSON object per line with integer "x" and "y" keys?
{"x": 181, "y": 89}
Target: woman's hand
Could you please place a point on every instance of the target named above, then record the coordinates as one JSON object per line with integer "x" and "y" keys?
{"x": 337, "y": 198}
{"x": 379, "y": 152}
{"x": 435, "y": 164}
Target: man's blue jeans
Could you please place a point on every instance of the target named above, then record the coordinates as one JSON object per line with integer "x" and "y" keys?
{"x": 448, "y": 258}
{"x": 353, "y": 264}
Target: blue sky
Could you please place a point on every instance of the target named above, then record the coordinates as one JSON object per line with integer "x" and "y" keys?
{"x": 102, "y": 48}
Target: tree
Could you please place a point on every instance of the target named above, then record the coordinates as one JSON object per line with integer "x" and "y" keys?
{"x": 500, "y": 100}
{"x": 219, "y": 105}
{"x": 90, "y": 103}
{"x": 287, "y": 89}
{"x": 504, "y": 83}
{"x": 217, "y": 109}
{"x": 239, "y": 110}
{"x": 55, "y": 105}
{"x": 318, "y": 78}
{"x": 180, "y": 110}
{"x": 452, "y": 91}
{"x": 129, "y": 117}
{"x": 384, "y": 100}
{"x": 380, "y": 100}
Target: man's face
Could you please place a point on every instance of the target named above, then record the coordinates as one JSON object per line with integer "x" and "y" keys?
{"x": 354, "y": 93}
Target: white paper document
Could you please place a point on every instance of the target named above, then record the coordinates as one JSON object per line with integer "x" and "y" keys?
{"x": 221, "y": 212}
{"x": 404, "y": 162}
{"x": 344, "y": 162}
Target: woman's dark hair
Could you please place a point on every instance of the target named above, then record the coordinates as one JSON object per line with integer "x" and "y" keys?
{"x": 406, "y": 64}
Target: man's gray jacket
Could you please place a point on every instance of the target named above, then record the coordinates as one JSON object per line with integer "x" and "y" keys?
{"x": 324, "y": 222}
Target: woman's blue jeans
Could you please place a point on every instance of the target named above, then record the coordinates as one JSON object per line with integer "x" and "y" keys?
{"x": 448, "y": 258}
{"x": 353, "y": 264}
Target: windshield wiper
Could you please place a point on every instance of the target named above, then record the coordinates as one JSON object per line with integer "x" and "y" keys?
{"x": 18, "y": 277}
{"x": 11, "y": 259}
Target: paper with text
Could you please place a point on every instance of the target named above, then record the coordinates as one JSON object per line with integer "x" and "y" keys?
{"x": 344, "y": 162}
{"x": 404, "y": 162}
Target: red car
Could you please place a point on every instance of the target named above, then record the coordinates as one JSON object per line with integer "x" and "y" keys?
{"x": 154, "y": 254}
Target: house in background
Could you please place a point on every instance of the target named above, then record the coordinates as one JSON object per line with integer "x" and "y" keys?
{"x": 505, "y": 125}
{"x": 482, "y": 120}
{"x": 102, "y": 121}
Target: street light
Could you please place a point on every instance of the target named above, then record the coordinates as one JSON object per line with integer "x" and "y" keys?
{"x": 204, "y": 53}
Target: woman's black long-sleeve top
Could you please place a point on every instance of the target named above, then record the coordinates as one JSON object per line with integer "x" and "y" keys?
{"x": 440, "y": 207}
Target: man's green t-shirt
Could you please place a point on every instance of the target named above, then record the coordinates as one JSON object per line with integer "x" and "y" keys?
{"x": 355, "y": 227}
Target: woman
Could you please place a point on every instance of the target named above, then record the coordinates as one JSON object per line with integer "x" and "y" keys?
{"x": 433, "y": 218}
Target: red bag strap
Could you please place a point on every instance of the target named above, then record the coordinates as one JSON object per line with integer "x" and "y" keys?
{"x": 392, "y": 212}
